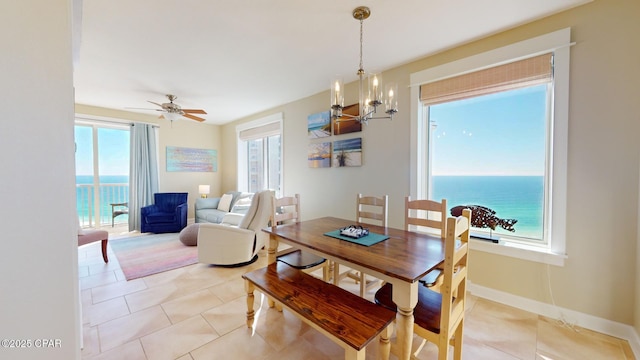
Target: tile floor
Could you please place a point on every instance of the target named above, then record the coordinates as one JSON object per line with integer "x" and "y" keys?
{"x": 198, "y": 312}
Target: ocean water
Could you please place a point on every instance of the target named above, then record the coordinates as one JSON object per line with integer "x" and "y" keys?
{"x": 112, "y": 189}
{"x": 511, "y": 197}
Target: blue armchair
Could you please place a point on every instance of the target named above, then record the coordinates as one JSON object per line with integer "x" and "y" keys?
{"x": 167, "y": 214}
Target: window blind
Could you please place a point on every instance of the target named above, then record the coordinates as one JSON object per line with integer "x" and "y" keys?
{"x": 261, "y": 131}
{"x": 528, "y": 72}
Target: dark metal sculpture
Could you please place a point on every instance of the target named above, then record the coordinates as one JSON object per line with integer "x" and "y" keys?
{"x": 483, "y": 217}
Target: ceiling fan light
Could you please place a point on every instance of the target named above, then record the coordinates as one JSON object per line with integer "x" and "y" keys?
{"x": 171, "y": 116}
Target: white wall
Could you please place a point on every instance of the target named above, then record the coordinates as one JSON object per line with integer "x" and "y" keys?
{"x": 38, "y": 244}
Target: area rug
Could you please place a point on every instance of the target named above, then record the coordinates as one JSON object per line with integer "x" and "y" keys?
{"x": 145, "y": 255}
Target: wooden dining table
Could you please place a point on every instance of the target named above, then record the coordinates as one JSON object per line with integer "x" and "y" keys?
{"x": 401, "y": 260}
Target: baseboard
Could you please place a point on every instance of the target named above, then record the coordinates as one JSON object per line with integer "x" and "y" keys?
{"x": 608, "y": 327}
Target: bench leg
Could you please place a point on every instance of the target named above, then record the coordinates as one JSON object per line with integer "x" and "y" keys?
{"x": 250, "y": 287}
{"x": 385, "y": 343}
{"x": 104, "y": 250}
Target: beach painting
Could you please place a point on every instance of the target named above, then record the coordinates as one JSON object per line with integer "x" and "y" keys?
{"x": 319, "y": 125}
{"x": 319, "y": 155}
{"x": 346, "y": 124}
{"x": 347, "y": 152}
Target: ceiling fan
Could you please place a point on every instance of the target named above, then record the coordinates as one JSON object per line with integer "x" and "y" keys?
{"x": 173, "y": 111}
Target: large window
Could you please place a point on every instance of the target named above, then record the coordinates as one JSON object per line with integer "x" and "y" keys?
{"x": 490, "y": 133}
{"x": 489, "y": 151}
{"x": 260, "y": 155}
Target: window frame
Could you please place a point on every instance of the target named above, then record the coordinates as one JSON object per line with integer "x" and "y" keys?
{"x": 559, "y": 43}
{"x": 242, "y": 158}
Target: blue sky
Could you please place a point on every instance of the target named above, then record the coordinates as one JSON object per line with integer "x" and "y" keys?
{"x": 113, "y": 147}
{"x": 497, "y": 134}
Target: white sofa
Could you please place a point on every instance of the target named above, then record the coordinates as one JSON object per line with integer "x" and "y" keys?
{"x": 206, "y": 209}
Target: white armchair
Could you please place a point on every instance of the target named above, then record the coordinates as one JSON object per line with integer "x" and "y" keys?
{"x": 233, "y": 242}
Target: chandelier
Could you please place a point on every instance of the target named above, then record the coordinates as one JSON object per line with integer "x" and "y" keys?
{"x": 368, "y": 103}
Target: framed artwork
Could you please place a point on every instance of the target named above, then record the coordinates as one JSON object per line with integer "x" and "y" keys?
{"x": 345, "y": 125}
{"x": 319, "y": 125}
{"x": 190, "y": 159}
{"x": 319, "y": 155}
{"x": 347, "y": 152}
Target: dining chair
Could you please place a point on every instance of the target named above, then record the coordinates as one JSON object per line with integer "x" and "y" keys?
{"x": 286, "y": 210}
{"x": 420, "y": 214}
{"x": 439, "y": 316}
{"x": 367, "y": 208}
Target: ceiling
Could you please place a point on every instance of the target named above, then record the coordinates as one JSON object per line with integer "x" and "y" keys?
{"x": 235, "y": 58}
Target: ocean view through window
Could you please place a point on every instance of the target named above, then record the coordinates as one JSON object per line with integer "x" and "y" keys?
{"x": 504, "y": 138}
{"x": 102, "y": 172}
{"x": 112, "y": 189}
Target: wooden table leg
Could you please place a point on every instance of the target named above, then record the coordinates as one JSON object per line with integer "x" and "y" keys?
{"x": 249, "y": 288}
{"x": 404, "y": 319}
{"x": 405, "y": 296}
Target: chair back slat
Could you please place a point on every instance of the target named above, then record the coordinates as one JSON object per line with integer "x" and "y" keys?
{"x": 426, "y": 213}
{"x": 285, "y": 209}
{"x": 365, "y": 206}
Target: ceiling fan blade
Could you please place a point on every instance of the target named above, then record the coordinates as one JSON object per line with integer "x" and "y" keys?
{"x": 155, "y": 103}
{"x": 194, "y": 111}
{"x": 136, "y": 108}
{"x": 193, "y": 117}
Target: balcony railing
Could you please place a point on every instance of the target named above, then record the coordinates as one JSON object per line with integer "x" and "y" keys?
{"x": 94, "y": 208}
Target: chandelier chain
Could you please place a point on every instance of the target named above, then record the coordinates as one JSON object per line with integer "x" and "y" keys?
{"x": 361, "y": 69}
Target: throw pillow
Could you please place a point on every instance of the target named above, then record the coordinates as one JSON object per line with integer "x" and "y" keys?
{"x": 242, "y": 205}
{"x": 225, "y": 202}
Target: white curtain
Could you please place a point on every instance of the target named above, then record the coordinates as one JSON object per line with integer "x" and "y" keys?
{"x": 143, "y": 171}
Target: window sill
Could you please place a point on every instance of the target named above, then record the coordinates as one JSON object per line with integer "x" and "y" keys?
{"x": 519, "y": 251}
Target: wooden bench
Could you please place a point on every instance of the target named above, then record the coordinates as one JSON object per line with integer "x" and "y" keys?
{"x": 347, "y": 319}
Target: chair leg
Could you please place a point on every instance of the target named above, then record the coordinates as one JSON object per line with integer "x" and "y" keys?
{"x": 104, "y": 250}
{"x": 443, "y": 348}
{"x": 457, "y": 345}
{"x": 326, "y": 272}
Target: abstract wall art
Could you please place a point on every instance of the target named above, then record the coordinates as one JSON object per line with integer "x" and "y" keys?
{"x": 192, "y": 160}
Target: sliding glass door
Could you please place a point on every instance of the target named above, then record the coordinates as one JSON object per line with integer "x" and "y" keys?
{"x": 102, "y": 173}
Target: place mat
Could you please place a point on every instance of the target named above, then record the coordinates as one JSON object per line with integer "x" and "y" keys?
{"x": 367, "y": 240}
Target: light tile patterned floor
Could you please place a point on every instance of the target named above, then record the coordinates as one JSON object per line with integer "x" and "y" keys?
{"x": 198, "y": 312}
